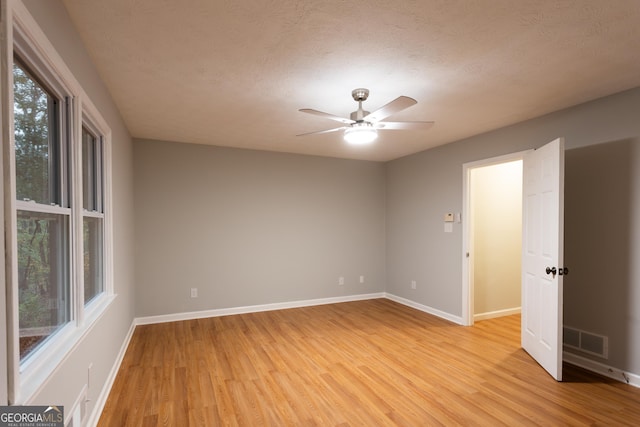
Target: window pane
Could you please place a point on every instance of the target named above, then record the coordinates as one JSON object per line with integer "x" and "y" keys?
{"x": 35, "y": 113}
{"x": 93, "y": 261}
{"x": 43, "y": 277}
{"x": 88, "y": 170}
{"x": 99, "y": 175}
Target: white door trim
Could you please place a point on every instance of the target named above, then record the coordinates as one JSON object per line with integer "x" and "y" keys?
{"x": 467, "y": 279}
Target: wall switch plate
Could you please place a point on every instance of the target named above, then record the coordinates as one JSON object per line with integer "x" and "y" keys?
{"x": 361, "y": 279}
{"x": 194, "y": 292}
{"x": 341, "y": 281}
{"x": 413, "y": 284}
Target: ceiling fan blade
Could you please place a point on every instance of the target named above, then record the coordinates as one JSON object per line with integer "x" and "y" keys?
{"x": 404, "y": 125}
{"x": 398, "y": 104}
{"x": 327, "y": 116}
{"x": 323, "y": 131}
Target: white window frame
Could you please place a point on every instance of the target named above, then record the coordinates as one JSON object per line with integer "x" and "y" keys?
{"x": 24, "y": 37}
{"x": 89, "y": 117}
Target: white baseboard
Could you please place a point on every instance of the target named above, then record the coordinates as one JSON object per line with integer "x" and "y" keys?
{"x": 106, "y": 388}
{"x": 497, "y": 313}
{"x": 602, "y": 369}
{"x": 253, "y": 308}
{"x": 434, "y": 311}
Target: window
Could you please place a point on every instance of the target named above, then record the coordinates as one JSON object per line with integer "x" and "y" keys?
{"x": 42, "y": 217}
{"x": 57, "y": 221}
{"x": 93, "y": 214}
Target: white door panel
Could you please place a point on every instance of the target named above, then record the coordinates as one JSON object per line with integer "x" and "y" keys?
{"x": 542, "y": 247}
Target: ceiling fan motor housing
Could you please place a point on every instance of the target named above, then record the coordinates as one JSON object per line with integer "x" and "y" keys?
{"x": 357, "y": 116}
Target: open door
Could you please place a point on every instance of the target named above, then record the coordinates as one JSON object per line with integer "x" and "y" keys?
{"x": 542, "y": 255}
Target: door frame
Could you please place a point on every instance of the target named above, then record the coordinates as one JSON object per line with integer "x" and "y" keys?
{"x": 467, "y": 250}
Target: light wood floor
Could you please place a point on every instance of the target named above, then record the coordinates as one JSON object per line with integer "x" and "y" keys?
{"x": 369, "y": 363}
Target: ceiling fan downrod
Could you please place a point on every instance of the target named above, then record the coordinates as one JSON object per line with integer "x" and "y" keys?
{"x": 359, "y": 95}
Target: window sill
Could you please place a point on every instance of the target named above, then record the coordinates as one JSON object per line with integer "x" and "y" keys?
{"x": 39, "y": 367}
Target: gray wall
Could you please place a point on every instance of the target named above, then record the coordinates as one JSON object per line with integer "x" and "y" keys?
{"x": 251, "y": 227}
{"x": 102, "y": 343}
{"x": 421, "y": 187}
{"x": 602, "y": 246}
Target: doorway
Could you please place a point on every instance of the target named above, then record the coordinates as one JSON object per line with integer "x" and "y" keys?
{"x": 492, "y": 237}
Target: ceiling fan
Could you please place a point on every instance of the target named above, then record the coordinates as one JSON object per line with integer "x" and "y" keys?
{"x": 363, "y": 126}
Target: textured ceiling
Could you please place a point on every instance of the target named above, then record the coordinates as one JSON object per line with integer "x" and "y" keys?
{"x": 234, "y": 73}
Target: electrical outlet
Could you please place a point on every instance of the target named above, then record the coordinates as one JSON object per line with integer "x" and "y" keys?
{"x": 341, "y": 281}
{"x": 413, "y": 284}
{"x": 361, "y": 279}
{"x": 194, "y": 292}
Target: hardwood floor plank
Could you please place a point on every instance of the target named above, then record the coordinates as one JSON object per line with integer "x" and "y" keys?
{"x": 406, "y": 405}
{"x": 281, "y": 398}
{"x": 364, "y": 363}
{"x": 224, "y": 404}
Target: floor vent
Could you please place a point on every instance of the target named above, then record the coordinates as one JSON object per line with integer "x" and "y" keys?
{"x": 587, "y": 342}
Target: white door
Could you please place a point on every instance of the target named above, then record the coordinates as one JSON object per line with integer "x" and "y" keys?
{"x": 542, "y": 250}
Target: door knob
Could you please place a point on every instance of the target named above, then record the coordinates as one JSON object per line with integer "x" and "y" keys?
{"x": 561, "y": 271}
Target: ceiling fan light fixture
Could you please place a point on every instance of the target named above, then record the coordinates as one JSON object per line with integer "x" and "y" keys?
{"x": 360, "y": 134}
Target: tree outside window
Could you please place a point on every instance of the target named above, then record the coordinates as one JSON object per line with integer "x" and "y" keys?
{"x": 43, "y": 232}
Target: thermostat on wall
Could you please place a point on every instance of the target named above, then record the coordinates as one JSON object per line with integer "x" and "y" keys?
{"x": 448, "y": 217}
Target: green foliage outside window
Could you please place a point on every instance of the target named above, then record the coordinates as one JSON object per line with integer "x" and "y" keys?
{"x": 32, "y": 148}
{"x": 34, "y": 271}
{"x": 42, "y": 237}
